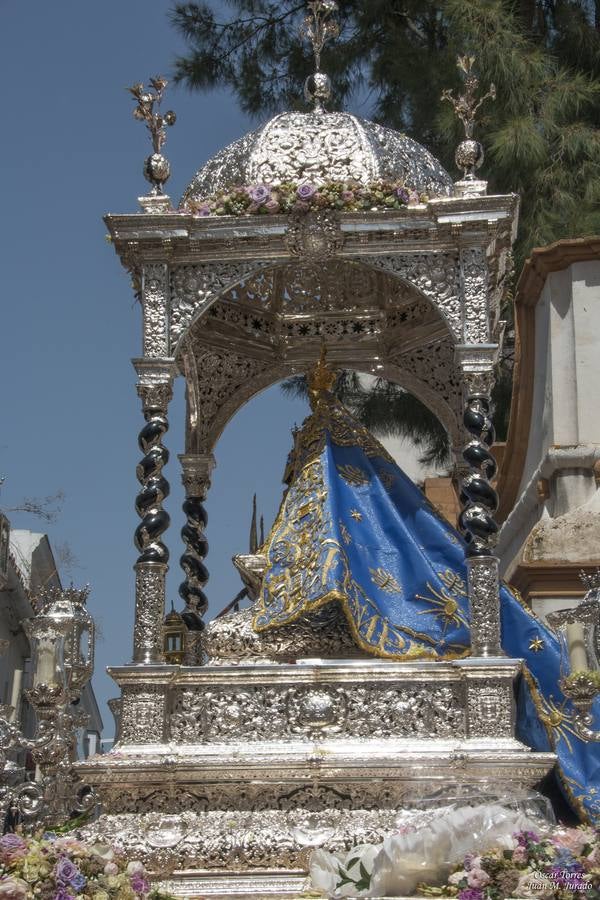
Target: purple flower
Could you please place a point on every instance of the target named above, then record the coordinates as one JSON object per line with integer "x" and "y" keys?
{"x": 12, "y": 842}
{"x": 203, "y": 210}
{"x": 402, "y": 194}
{"x": 260, "y": 193}
{"x": 12, "y": 847}
{"x": 524, "y": 838}
{"x": 306, "y": 191}
{"x": 470, "y": 894}
{"x": 347, "y": 196}
{"x": 65, "y": 870}
{"x": 413, "y": 197}
{"x": 62, "y": 894}
{"x": 139, "y": 884}
{"x": 79, "y": 881}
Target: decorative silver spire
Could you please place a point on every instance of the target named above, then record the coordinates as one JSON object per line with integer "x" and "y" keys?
{"x": 469, "y": 153}
{"x": 156, "y": 167}
{"x": 319, "y": 28}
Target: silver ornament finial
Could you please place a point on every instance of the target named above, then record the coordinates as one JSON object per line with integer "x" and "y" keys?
{"x": 469, "y": 153}
{"x": 318, "y": 28}
{"x": 156, "y": 167}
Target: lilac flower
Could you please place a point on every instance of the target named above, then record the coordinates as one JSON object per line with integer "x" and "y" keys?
{"x": 12, "y": 842}
{"x": 65, "y": 870}
{"x": 78, "y": 882}
{"x": 526, "y": 837}
{"x": 306, "y": 191}
{"x": 260, "y": 193}
{"x": 470, "y": 894}
{"x": 12, "y": 847}
{"x": 402, "y": 194}
{"x": 139, "y": 884}
{"x": 203, "y": 210}
{"x": 62, "y": 894}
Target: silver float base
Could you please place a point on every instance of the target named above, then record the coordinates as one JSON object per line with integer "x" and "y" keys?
{"x": 226, "y": 777}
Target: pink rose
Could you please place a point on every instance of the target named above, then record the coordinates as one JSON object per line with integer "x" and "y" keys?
{"x": 573, "y": 839}
{"x": 477, "y": 878}
{"x": 111, "y": 868}
{"x": 520, "y": 855}
{"x": 13, "y": 888}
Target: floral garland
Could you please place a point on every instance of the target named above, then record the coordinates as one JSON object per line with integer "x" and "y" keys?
{"x": 564, "y": 865}
{"x": 560, "y": 865}
{"x": 54, "y": 867}
{"x": 346, "y": 196}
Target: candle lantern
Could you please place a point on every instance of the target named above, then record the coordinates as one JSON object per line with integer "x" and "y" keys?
{"x": 174, "y": 631}
{"x": 578, "y": 623}
{"x": 62, "y": 640}
{"x": 79, "y": 644}
{"x": 47, "y": 638}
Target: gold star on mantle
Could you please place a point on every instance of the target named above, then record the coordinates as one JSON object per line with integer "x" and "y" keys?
{"x": 536, "y": 645}
{"x": 356, "y": 515}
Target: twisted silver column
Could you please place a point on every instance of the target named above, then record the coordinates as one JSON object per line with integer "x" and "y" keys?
{"x": 155, "y": 487}
{"x": 155, "y": 391}
{"x": 478, "y": 497}
{"x": 196, "y": 473}
{"x": 480, "y": 502}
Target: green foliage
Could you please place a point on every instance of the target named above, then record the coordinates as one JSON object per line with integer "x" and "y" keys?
{"x": 394, "y": 57}
{"x": 391, "y": 62}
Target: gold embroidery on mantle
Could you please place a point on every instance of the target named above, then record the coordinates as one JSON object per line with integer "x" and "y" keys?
{"x": 385, "y": 581}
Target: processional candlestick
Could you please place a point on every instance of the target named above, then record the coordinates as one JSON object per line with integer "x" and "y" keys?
{"x": 62, "y": 642}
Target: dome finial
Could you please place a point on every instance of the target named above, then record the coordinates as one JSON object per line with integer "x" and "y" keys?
{"x": 469, "y": 154}
{"x": 319, "y": 28}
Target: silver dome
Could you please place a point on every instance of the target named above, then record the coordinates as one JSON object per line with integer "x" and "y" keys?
{"x": 317, "y": 147}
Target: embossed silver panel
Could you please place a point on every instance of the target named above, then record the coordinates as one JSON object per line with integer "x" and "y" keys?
{"x": 317, "y": 147}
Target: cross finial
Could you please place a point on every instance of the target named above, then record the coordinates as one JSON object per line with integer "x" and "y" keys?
{"x": 318, "y": 28}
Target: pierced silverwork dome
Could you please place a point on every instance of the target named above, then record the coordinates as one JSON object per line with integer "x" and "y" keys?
{"x": 318, "y": 147}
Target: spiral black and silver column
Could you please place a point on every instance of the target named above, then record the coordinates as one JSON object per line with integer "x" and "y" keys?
{"x": 196, "y": 473}
{"x": 152, "y": 563}
{"x": 476, "y": 521}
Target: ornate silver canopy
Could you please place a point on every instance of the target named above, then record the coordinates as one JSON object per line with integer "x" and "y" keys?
{"x": 317, "y": 147}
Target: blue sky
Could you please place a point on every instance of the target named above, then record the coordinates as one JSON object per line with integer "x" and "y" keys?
{"x": 71, "y": 152}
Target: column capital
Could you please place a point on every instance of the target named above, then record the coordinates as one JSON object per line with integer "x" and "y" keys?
{"x": 477, "y": 363}
{"x": 196, "y": 472}
{"x": 155, "y": 387}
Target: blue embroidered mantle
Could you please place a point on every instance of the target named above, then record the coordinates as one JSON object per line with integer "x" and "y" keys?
{"x": 354, "y": 529}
